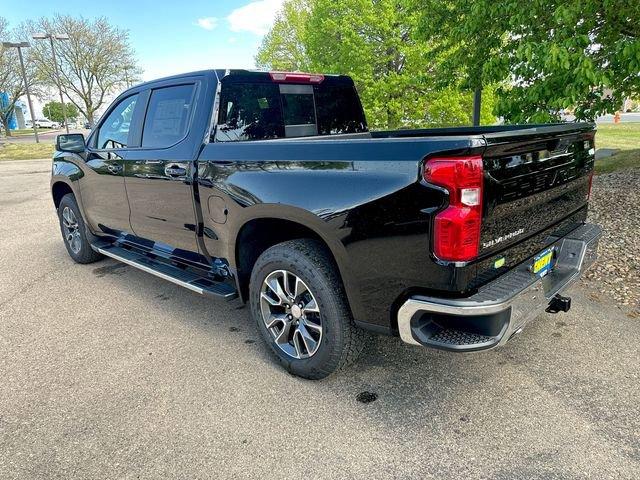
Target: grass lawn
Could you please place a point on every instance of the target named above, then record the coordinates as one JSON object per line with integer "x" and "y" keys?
{"x": 622, "y": 136}
{"x": 29, "y": 131}
{"x": 25, "y": 151}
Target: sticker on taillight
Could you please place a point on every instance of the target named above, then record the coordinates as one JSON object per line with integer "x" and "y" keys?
{"x": 470, "y": 196}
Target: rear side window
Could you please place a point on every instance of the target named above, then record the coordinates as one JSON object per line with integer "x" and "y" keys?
{"x": 249, "y": 112}
{"x": 168, "y": 114}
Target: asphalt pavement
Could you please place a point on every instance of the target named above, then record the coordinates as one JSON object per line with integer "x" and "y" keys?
{"x": 108, "y": 372}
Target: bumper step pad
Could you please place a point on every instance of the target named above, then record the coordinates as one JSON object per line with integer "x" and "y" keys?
{"x": 452, "y": 336}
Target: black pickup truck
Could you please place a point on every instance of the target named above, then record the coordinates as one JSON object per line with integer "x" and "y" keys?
{"x": 268, "y": 187}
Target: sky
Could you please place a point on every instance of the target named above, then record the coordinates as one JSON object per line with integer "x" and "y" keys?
{"x": 171, "y": 37}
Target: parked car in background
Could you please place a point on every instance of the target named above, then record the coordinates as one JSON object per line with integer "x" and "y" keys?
{"x": 46, "y": 123}
{"x": 270, "y": 187}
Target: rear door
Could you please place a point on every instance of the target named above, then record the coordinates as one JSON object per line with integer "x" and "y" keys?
{"x": 537, "y": 183}
{"x": 159, "y": 176}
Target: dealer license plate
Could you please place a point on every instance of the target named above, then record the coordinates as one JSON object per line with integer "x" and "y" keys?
{"x": 543, "y": 262}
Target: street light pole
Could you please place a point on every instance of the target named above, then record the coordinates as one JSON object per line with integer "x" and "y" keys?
{"x": 20, "y": 46}
{"x": 55, "y": 64}
{"x": 51, "y": 36}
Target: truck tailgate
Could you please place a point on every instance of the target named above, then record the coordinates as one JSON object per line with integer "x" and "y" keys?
{"x": 537, "y": 183}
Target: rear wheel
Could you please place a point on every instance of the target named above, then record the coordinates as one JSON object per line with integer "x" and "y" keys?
{"x": 74, "y": 231}
{"x": 300, "y": 308}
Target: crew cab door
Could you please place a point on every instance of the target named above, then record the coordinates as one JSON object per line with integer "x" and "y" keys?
{"x": 103, "y": 191}
{"x": 159, "y": 175}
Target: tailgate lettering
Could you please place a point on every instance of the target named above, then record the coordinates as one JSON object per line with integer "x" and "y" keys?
{"x": 502, "y": 238}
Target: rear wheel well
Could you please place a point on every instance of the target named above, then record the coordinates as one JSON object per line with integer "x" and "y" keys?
{"x": 258, "y": 235}
{"x": 59, "y": 190}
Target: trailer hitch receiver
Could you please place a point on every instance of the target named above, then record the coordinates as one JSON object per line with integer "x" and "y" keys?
{"x": 559, "y": 303}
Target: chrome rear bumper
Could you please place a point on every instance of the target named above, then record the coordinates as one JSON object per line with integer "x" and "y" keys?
{"x": 501, "y": 308}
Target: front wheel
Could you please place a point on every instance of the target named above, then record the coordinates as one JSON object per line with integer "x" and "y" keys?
{"x": 301, "y": 310}
{"x": 74, "y": 232}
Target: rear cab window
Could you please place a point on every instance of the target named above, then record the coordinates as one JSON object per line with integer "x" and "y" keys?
{"x": 269, "y": 110}
{"x": 249, "y": 112}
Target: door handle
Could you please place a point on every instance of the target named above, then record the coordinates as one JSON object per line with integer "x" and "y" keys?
{"x": 175, "y": 171}
{"x": 114, "y": 168}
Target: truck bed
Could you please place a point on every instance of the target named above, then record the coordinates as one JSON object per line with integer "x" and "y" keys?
{"x": 368, "y": 192}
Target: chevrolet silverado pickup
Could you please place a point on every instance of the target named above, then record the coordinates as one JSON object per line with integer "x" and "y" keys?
{"x": 269, "y": 188}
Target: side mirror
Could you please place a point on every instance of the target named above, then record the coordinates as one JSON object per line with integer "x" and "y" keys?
{"x": 71, "y": 142}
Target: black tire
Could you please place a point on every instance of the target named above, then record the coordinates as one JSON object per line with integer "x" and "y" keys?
{"x": 342, "y": 341}
{"x": 80, "y": 249}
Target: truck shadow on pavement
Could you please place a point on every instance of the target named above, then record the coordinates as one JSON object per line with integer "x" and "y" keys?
{"x": 404, "y": 376}
{"x": 383, "y": 356}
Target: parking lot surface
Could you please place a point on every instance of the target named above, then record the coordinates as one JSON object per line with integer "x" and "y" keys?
{"x": 108, "y": 372}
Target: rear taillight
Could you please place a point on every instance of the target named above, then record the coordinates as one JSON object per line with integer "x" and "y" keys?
{"x": 296, "y": 77}
{"x": 456, "y": 230}
{"x": 590, "y": 185}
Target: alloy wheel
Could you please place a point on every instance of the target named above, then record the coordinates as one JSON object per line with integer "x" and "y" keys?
{"x": 71, "y": 230}
{"x": 291, "y": 314}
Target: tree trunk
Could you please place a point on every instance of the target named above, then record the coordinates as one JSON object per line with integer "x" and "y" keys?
{"x": 5, "y": 126}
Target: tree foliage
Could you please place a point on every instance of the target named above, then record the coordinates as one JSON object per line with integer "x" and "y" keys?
{"x": 284, "y": 47}
{"x": 95, "y": 62}
{"x": 547, "y": 55}
{"x": 54, "y": 111}
{"x": 376, "y": 44}
{"x": 11, "y": 80}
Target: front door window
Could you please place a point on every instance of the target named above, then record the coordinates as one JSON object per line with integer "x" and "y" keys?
{"x": 114, "y": 131}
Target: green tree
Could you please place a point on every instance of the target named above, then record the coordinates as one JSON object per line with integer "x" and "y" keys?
{"x": 375, "y": 43}
{"x": 54, "y": 111}
{"x": 546, "y": 55}
{"x": 94, "y": 63}
{"x": 283, "y": 47}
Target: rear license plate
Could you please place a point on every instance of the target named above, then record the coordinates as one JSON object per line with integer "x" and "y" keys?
{"x": 543, "y": 262}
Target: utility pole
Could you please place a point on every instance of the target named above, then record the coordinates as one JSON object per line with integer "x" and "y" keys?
{"x": 51, "y": 36}
{"x": 20, "y": 46}
{"x": 477, "y": 98}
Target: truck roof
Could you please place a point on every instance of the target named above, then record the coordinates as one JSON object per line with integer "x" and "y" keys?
{"x": 242, "y": 75}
